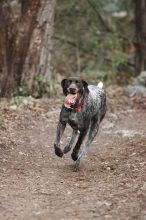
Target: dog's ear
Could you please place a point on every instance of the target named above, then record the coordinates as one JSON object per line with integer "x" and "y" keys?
{"x": 85, "y": 84}
{"x": 64, "y": 86}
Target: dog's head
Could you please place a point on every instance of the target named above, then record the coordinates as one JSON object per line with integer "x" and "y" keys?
{"x": 74, "y": 85}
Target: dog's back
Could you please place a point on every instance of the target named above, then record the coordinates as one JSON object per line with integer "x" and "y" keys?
{"x": 96, "y": 102}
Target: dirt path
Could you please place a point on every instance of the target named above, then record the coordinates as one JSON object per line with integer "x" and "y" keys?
{"x": 35, "y": 184}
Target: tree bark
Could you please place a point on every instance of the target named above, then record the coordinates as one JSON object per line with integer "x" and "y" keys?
{"x": 25, "y": 46}
{"x": 140, "y": 21}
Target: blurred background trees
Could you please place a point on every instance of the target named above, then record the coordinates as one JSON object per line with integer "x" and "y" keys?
{"x": 95, "y": 39}
{"x": 25, "y": 46}
{"x": 140, "y": 21}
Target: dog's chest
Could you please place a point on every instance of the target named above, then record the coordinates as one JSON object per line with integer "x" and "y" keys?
{"x": 75, "y": 119}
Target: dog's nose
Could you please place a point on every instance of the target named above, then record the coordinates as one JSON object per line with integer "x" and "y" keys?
{"x": 72, "y": 90}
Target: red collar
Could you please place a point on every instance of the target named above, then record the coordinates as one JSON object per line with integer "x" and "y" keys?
{"x": 83, "y": 102}
{"x": 78, "y": 107}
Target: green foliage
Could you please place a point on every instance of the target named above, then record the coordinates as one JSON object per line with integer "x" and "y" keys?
{"x": 42, "y": 87}
{"x": 17, "y": 100}
{"x": 120, "y": 59}
{"x": 110, "y": 48}
{"x": 93, "y": 39}
{"x": 22, "y": 91}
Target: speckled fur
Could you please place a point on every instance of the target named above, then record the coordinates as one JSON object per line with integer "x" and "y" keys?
{"x": 85, "y": 121}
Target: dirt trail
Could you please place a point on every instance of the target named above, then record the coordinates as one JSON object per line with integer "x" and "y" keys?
{"x": 36, "y": 184}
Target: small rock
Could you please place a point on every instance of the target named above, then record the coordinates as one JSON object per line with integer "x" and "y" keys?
{"x": 21, "y": 153}
{"x": 138, "y": 87}
{"x": 135, "y": 90}
{"x": 13, "y": 107}
{"x": 141, "y": 79}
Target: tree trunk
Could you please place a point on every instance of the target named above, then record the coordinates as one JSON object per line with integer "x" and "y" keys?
{"x": 140, "y": 20}
{"x": 25, "y": 46}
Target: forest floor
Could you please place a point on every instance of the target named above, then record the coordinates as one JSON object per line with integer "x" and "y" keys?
{"x": 35, "y": 184}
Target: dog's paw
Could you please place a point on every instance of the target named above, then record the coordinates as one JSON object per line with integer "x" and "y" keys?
{"x": 58, "y": 152}
{"x": 77, "y": 166}
{"x": 74, "y": 156}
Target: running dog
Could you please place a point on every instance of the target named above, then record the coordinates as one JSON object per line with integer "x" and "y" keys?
{"x": 83, "y": 109}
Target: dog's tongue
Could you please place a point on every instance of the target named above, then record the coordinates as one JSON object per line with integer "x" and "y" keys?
{"x": 70, "y": 99}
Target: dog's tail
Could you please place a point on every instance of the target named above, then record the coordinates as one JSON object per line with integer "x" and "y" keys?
{"x": 100, "y": 85}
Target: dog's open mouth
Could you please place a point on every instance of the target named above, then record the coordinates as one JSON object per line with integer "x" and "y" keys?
{"x": 70, "y": 99}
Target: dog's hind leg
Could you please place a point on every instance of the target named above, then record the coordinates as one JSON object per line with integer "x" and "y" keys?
{"x": 60, "y": 130}
{"x": 92, "y": 133}
{"x": 68, "y": 146}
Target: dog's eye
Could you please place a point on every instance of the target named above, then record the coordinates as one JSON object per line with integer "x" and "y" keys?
{"x": 77, "y": 81}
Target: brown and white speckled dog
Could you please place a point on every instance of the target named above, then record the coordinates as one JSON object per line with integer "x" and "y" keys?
{"x": 83, "y": 110}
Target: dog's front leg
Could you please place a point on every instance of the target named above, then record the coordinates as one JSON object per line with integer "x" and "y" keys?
{"x": 68, "y": 147}
{"x": 60, "y": 129}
